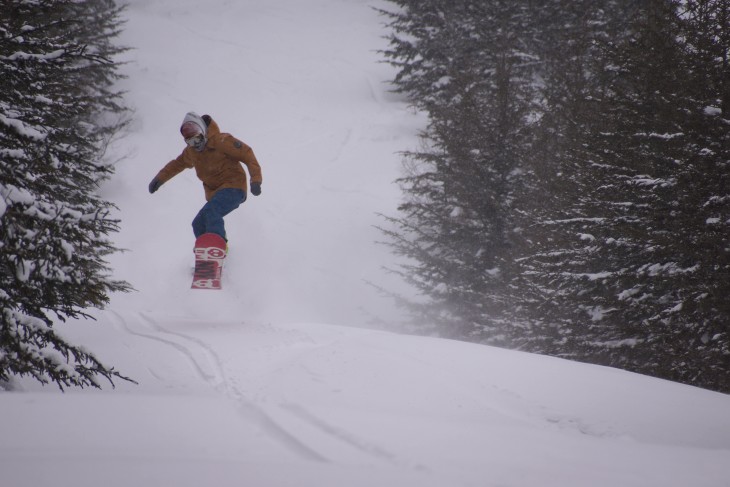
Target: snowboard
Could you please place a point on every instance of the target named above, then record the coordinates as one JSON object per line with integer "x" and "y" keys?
{"x": 210, "y": 252}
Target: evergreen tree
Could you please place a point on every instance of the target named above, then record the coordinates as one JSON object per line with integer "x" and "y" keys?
{"x": 702, "y": 216}
{"x": 571, "y": 33}
{"x": 58, "y": 111}
{"x": 572, "y": 194}
{"x": 638, "y": 286}
{"x": 467, "y": 64}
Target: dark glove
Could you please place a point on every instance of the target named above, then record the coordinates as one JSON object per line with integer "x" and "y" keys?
{"x": 255, "y": 189}
{"x": 155, "y": 185}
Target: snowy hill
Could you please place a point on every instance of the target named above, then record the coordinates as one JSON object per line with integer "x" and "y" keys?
{"x": 248, "y": 386}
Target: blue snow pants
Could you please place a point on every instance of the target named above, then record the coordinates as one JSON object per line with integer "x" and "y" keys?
{"x": 210, "y": 217}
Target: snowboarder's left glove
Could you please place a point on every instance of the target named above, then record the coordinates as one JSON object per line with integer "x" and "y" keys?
{"x": 255, "y": 189}
{"x": 155, "y": 185}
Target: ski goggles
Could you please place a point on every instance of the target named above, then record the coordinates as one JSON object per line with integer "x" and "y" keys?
{"x": 195, "y": 140}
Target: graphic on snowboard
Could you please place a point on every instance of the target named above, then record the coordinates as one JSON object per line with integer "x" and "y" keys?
{"x": 210, "y": 251}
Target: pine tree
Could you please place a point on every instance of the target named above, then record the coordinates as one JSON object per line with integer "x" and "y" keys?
{"x": 58, "y": 111}
{"x": 466, "y": 64}
{"x": 638, "y": 286}
{"x": 701, "y": 317}
{"x": 571, "y": 196}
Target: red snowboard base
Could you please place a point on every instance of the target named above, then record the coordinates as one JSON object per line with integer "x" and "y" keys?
{"x": 210, "y": 251}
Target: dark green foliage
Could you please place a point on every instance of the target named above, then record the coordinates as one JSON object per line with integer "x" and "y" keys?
{"x": 58, "y": 112}
{"x": 572, "y": 198}
{"x": 460, "y": 62}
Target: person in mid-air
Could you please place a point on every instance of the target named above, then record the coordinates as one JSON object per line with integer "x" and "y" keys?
{"x": 217, "y": 159}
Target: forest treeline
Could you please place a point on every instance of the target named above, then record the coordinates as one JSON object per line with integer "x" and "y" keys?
{"x": 570, "y": 196}
{"x": 59, "y": 110}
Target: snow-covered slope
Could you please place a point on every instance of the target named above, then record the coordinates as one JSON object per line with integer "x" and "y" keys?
{"x": 245, "y": 386}
{"x": 302, "y": 83}
{"x": 232, "y": 403}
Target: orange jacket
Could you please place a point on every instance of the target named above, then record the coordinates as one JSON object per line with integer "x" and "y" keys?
{"x": 218, "y": 165}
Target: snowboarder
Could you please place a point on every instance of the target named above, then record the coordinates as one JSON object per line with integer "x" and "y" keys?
{"x": 216, "y": 158}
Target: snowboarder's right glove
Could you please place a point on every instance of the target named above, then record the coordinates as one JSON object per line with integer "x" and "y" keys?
{"x": 255, "y": 189}
{"x": 155, "y": 185}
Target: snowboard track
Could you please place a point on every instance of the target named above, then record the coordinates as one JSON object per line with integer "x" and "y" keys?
{"x": 187, "y": 345}
{"x": 208, "y": 366}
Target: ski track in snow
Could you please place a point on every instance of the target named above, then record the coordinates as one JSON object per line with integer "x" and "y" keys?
{"x": 348, "y": 439}
{"x": 192, "y": 349}
{"x": 285, "y": 421}
{"x": 214, "y": 378}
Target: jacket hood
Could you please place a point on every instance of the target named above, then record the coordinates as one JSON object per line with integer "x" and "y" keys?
{"x": 197, "y": 120}
{"x": 213, "y": 129}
